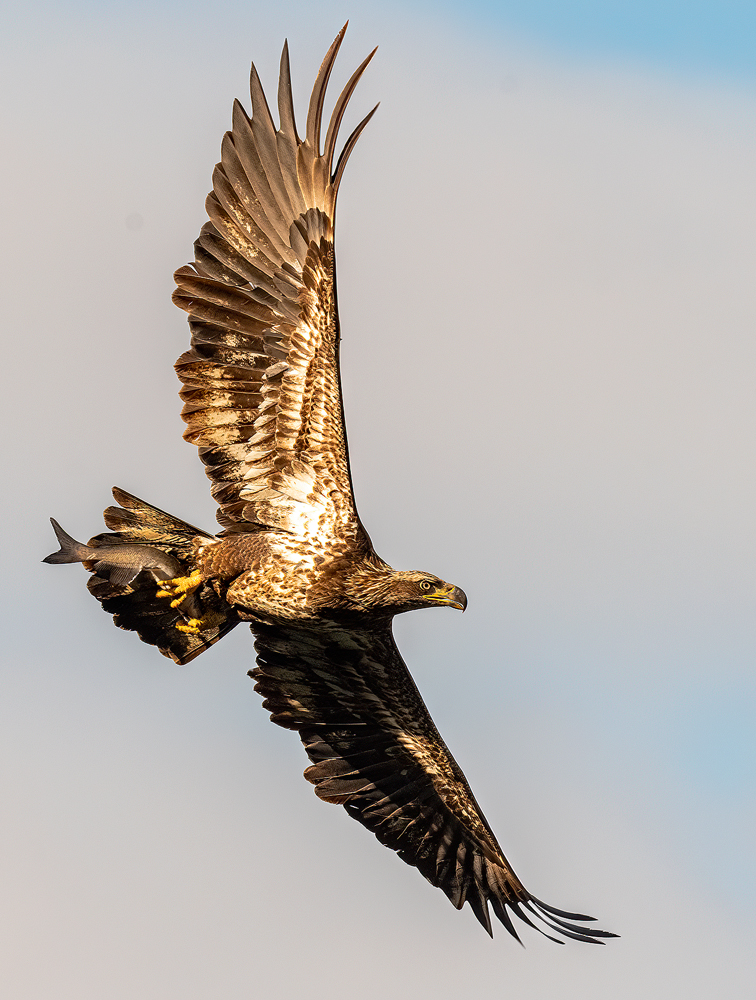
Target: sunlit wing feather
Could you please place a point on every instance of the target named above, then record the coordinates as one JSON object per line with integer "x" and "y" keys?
{"x": 376, "y": 751}
{"x": 261, "y": 382}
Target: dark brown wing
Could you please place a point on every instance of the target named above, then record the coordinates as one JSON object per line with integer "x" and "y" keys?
{"x": 376, "y": 751}
{"x": 261, "y": 382}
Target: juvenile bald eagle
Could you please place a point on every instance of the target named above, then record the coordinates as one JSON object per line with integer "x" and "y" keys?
{"x": 262, "y": 401}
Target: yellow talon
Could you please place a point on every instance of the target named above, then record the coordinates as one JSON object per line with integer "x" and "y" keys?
{"x": 180, "y": 587}
{"x": 193, "y": 626}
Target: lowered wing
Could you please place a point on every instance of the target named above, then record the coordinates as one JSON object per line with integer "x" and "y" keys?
{"x": 261, "y": 382}
{"x": 376, "y": 751}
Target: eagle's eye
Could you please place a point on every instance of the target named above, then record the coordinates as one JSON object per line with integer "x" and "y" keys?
{"x": 425, "y": 585}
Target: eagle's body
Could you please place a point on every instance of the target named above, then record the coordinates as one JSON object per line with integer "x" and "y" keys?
{"x": 268, "y": 578}
{"x": 262, "y": 401}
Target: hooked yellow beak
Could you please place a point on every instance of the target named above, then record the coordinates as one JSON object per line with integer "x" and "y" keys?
{"x": 451, "y": 596}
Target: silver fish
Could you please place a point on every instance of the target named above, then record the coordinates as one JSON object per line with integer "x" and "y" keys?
{"x": 120, "y": 564}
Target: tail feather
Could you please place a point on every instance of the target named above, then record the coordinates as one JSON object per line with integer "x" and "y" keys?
{"x": 134, "y": 602}
{"x": 153, "y": 619}
{"x": 138, "y": 521}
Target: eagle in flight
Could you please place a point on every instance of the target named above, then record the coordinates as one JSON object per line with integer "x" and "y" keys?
{"x": 262, "y": 401}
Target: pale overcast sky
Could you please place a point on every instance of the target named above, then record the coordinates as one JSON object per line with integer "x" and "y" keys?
{"x": 546, "y": 249}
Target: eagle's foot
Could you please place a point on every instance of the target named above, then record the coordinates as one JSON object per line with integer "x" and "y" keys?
{"x": 180, "y": 587}
{"x": 193, "y": 626}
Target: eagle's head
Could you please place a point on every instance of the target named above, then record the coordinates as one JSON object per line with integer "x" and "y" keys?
{"x": 396, "y": 591}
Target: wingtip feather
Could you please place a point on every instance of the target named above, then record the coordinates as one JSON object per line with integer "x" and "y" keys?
{"x": 317, "y": 99}
{"x": 349, "y": 146}
{"x": 340, "y": 108}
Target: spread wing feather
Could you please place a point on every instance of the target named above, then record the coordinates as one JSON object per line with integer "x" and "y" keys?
{"x": 261, "y": 382}
{"x": 375, "y": 750}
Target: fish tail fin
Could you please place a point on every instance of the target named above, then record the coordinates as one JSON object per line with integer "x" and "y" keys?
{"x": 70, "y": 550}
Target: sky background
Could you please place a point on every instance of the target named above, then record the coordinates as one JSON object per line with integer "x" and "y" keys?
{"x": 546, "y": 250}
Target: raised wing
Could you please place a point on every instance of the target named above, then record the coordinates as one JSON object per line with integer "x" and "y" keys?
{"x": 376, "y": 751}
{"x": 261, "y": 381}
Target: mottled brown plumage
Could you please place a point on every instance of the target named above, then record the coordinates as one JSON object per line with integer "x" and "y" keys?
{"x": 262, "y": 401}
